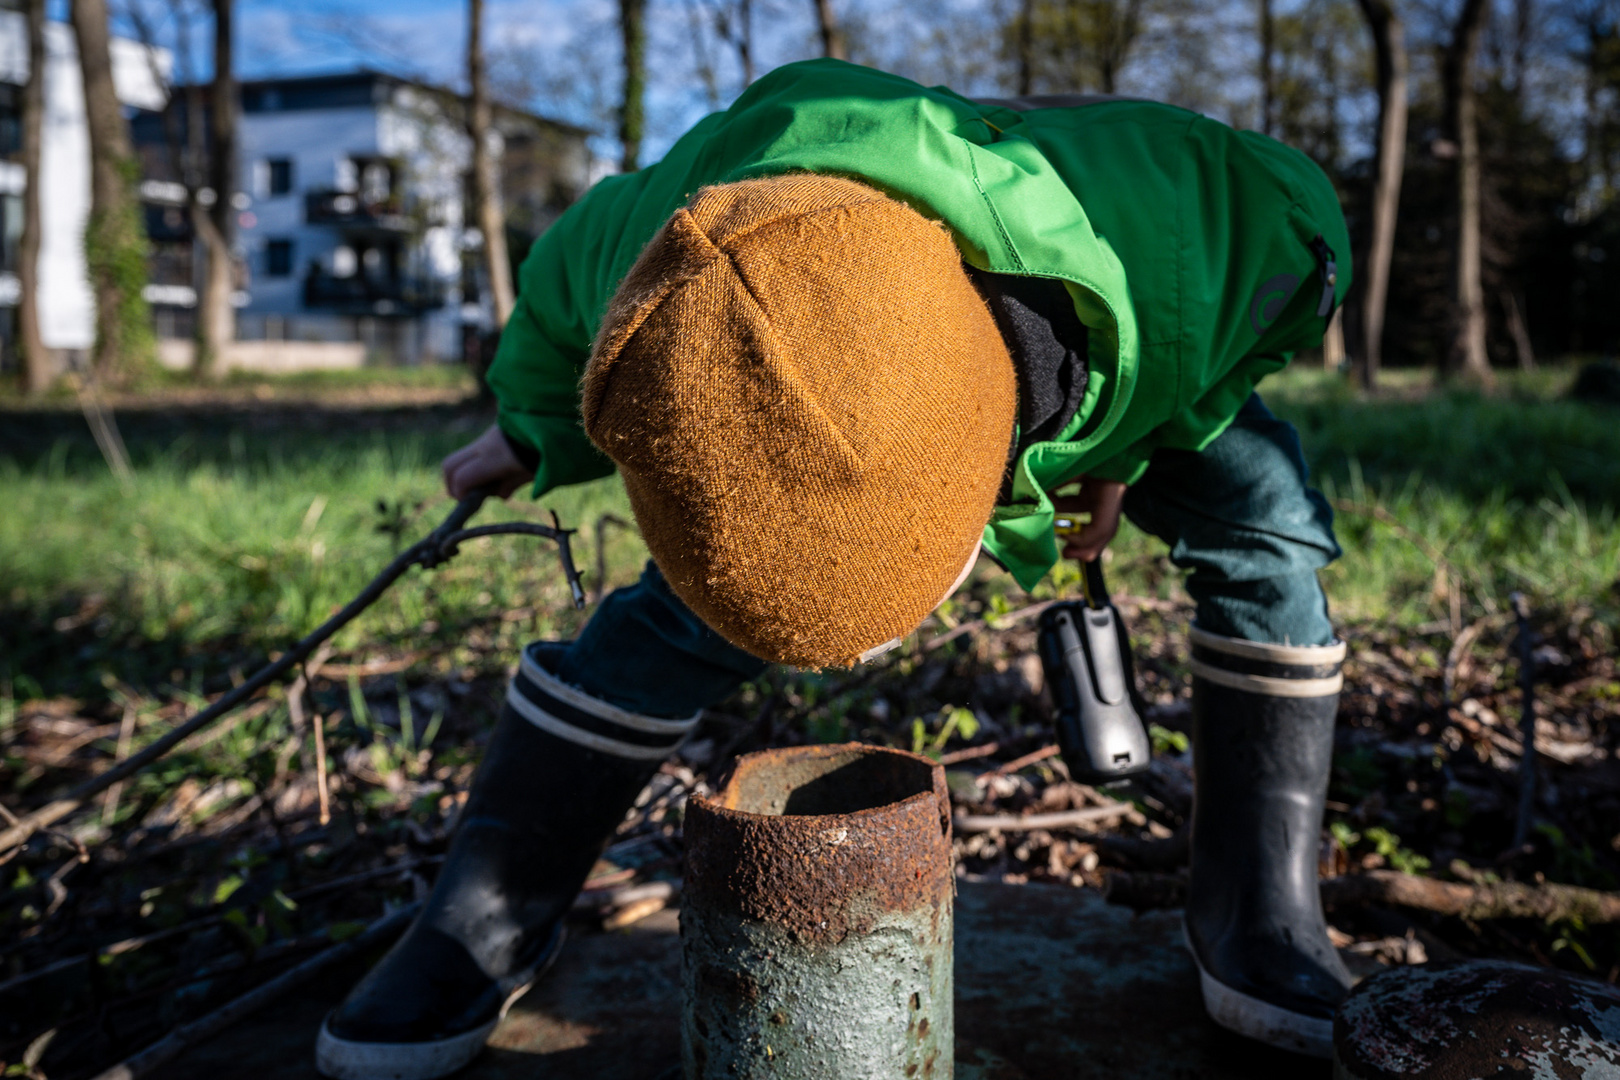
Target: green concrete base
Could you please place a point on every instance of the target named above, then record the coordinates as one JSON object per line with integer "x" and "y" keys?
{"x": 1051, "y": 984}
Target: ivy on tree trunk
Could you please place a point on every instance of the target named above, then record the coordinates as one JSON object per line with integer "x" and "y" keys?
{"x": 114, "y": 240}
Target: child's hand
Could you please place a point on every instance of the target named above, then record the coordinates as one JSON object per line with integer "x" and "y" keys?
{"x": 487, "y": 460}
{"x": 1102, "y": 500}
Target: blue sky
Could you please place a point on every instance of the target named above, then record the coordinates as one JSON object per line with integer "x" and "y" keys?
{"x": 565, "y": 52}
{"x": 567, "y": 49}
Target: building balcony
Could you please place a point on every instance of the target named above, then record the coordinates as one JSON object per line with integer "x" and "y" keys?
{"x": 350, "y": 210}
{"x": 360, "y": 294}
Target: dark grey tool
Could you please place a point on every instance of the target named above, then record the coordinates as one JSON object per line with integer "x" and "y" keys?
{"x": 1087, "y": 659}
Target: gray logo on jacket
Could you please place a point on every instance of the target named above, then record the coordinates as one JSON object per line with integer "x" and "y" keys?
{"x": 1269, "y": 301}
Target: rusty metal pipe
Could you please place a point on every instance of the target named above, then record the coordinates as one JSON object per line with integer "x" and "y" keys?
{"x": 816, "y": 927}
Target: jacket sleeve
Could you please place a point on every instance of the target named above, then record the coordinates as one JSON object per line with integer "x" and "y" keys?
{"x": 536, "y": 374}
{"x": 1197, "y": 425}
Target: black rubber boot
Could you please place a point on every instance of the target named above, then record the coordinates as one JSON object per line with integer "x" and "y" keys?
{"x": 1262, "y": 747}
{"x": 560, "y": 772}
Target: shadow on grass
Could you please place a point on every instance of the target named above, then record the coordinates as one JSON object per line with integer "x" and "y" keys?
{"x": 232, "y": 432}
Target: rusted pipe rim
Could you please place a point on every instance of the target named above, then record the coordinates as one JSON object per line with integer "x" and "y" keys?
{"x": 762, "y": 784}
{"x": 823, "y": 840}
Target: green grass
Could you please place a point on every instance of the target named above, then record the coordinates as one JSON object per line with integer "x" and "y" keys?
{"x": 239, "y": 534}
{"x": 1514, "y": 491}
{"x": 215, "y": 553}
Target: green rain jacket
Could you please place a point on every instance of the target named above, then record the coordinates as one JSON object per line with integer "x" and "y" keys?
{"x": 1198, "y": 258}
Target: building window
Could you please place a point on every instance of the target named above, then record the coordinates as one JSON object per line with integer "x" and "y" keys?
{"x": 11, "y": 227}
{"x": 278, "y": 258}
{"x": 281, "y": 176}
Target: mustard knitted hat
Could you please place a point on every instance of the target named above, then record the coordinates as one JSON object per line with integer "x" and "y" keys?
{"x": 811, "y": 407}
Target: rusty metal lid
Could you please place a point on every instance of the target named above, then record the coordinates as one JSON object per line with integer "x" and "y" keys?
{"x": 1472, "y": 1019}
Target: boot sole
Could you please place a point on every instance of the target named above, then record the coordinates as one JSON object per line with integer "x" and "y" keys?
{"x": 349, "y": 1059}
{"x": 1260, "y": 1020}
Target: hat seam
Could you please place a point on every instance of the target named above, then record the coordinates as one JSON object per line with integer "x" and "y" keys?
{"x": 636, "y": 318}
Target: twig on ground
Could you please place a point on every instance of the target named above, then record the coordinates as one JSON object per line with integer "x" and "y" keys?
{"x": 969, "y": 753}
{"x": 628, "y": 904}
{"x": 1493, "y": 900}
{"x": 1027, "y": 760}
{"x": 1527, "y": 722}
{"x": 1064, "y": 819}
{"x": 104, "y": 429}
{"x": 241, "y": 716}
{"x": 976, "y": 625}
{"x": 187, "y": 1035}
{"x": 321, "y": 791}
{"x": 1459, "y": 649}
{"x": 126, "y": 732}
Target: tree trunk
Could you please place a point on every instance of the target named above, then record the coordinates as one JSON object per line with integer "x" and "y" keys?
{"x": 1522, "y": 347}
{"x": 1268, "y": 48}
{"x": 1389, "y": 45}
{"x": 1467, "y": 357}
{"x": 1026, "y": 47}
{"x": 115, "y": 243}
{"x": 39, "y": 368}
{"x": 216, "y": 316}
{"x": 486, "y": 189}
{"x": 1118, "y": 37}
{"x": 632, "y": 116}
{"x": 745, "y": 40}
{"x": 832, "y": 35}
{"x": 1333, "y": 343}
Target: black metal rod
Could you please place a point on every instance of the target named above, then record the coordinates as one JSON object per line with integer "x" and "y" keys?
{"x": 1092, "y": 584}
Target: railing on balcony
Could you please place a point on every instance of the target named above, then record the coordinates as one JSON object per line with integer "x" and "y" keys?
{"x": 360, "y": 294}
{"x": 353, "y": 210}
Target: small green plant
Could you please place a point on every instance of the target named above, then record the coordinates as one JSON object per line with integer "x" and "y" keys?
{"x": 1385, "y": 844}
{"x": 1569, "y": 938}
{"x": 1388, "y": 845}
{"x": 1166, "y": 741}
{"x": 953, "y": 721}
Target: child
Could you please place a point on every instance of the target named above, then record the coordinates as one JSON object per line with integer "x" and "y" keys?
{"x": 846, "y": 335}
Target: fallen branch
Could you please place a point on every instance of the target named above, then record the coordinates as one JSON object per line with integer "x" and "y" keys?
{"x": 1064, "y": 819}
{"x": 1027, "y": 760}
{"x": 1494, "y": 900}
{"x": 1527, "y": 722}
{"x": 185, "y": 1036}
{"x": 969, "y": 753}
{"x": 439, "y": 546}
{"x": 1028, "y": 612}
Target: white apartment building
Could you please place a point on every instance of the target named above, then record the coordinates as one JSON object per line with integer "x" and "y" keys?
{"x": 351, "y": 221}
{"x": 352, "y": 224}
